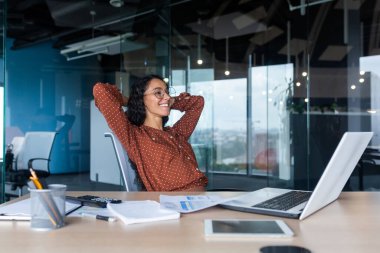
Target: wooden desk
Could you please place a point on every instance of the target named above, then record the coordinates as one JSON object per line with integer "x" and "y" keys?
{"x": 350, "y": 224}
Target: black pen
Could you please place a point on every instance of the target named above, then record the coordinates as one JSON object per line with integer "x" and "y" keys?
{"x": 73, "y": 210}
{"x": 98, "y": 217}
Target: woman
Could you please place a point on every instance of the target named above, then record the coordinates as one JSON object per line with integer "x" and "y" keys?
{"x": 164, "y": 159}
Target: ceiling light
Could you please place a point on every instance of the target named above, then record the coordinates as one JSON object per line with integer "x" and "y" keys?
{"x": 353, "y": 87}
{"x": 304, "y": 73}
{"x": 93, "y": 46}
{"x": 362, "y": 73}
{"x": 117, "y": 3}
{"x": 372, "y": 111}
{"x": 227, "y": 72}
{"x": 70, "y": 58}
{"x": 303, "y": 5}
{"x": 94, "y": 43}
{"x": 298, "y": 84}
{"x": 361, "y": 80}
{"x": 199, "y": 61}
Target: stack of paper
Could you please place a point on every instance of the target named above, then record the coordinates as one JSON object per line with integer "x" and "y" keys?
{"x": 20, "y": 210}
{"x": 141, "y": 211}
{"x": 190, "y": 203}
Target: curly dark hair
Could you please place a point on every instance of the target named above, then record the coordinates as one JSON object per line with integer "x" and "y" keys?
{"x": 136, "y": 112}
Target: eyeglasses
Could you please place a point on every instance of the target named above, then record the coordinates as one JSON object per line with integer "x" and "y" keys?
{"x": 160, "y": 93}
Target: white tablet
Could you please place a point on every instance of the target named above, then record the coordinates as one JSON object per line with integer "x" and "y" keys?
{"x": 246, "y": 228}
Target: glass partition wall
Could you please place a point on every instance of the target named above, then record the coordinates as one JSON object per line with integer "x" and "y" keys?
{"x": 288, "y": 79}
{"x": 282, "y": 82}
{"x": 53, "y": 61}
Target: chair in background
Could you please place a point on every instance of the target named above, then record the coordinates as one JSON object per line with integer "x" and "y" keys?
{"x": 34, "y": 153}
{"x": 368, "y": 165}
{"x": 128, "y": 171}
{"x": 17, "y": 143}
{"x": 12, "y": 151}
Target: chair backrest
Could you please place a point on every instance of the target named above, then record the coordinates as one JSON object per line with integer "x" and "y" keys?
{"x": 17, "y": 143}
{"x": 129, "y": 173}
{"x": 36, "y": 145}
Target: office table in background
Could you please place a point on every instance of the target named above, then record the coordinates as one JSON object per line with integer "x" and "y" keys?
{"x": 350, "y": 224}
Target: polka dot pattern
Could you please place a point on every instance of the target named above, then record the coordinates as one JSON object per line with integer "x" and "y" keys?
{"x": 164, "y": 158}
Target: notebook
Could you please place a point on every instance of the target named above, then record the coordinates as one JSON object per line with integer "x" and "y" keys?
{"x": 338, "y": 170}
{"x": 140, "y": 211}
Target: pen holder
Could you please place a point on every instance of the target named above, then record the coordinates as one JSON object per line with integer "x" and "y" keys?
{"x": 48, "y": 207}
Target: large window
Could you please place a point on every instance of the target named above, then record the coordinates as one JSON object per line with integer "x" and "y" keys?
{"x": 272, "y": 87}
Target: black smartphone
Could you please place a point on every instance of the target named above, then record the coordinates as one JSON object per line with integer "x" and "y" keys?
{"x": 284, "y": 249}
{"x": 90, "y": 200}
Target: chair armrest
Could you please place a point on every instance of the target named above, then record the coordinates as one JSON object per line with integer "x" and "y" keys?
{"x": 30, "y": 162}
{"x": 371, "y": 161}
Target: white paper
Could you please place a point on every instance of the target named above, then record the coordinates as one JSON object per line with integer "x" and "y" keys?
{"x": 20, "y": 210}
{"x": 190, "y": 203}
{"x": 141, "y": 211}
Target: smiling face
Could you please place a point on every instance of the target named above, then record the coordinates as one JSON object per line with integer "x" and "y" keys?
{"x": 156, "y": 99}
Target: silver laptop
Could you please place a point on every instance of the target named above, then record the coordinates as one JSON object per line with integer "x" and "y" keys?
{"x": 301, "y": 204}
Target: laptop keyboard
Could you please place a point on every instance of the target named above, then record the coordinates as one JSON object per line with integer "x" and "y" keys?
{"x": 285, "y": 201}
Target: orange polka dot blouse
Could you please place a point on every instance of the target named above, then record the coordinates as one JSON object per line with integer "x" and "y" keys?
{"x": 164, "y": 159}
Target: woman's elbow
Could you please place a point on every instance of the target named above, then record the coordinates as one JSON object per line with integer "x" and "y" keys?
{"x": 201, "y": 101}
{"x": 97, "y": 89}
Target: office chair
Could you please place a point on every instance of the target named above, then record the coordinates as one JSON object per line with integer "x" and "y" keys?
{"x": 34, "y": 153}
{"x": 128, "y": 170}
{"x": 17, "y": 143}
